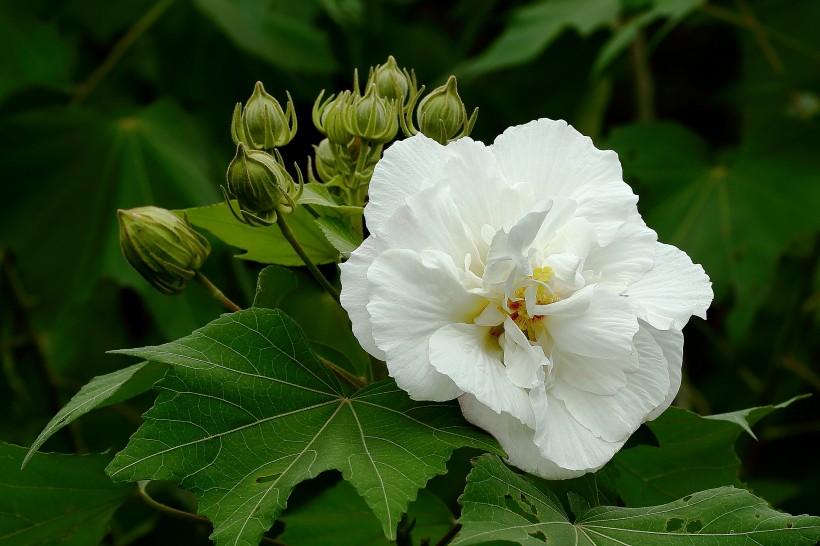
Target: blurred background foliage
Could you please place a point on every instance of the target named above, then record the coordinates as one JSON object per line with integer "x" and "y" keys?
{"x": 713, "y": 107}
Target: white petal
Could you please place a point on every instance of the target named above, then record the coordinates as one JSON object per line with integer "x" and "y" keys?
{"x": 515, "y": 438}
{"x": 602, "y": 376}
{"x": 604, "y": 330}
{"x": 407, "y": 167}
{"x": 628, "y": 257}
{"x": 563, "y": 439}
{"x": 614, "y": 417}
{"x": 672, "y": 291}
{"x": 469, "y": 355}
{"x": 671, "y": 342}
{"x": 523, "y": 361}
{"x": 553, "y": 159}
{"x": 430, "y": 220}
{"x": 356, "y": 294}
{"x": 411, "y": 296}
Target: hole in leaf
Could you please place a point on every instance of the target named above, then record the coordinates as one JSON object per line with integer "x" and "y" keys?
{"x": 674, "y": 524}
{"x": 265, "y": 479}
{"x": 687, "y": 498}
{"x": 539, "y": 535}
{"x": 523, "y": 507}
{"x": 757, "y": 516}
{"x": 694, "y": 526}
{"x": 789, "y": 525}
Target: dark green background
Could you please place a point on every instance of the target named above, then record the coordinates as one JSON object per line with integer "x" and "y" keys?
{"x": 723, "y": 148}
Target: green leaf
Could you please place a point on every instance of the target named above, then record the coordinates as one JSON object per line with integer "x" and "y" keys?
{"x": 31, "y": 53}
{"x": 319, "y": 196}
{"x": 340, "y": 235}
{"x": 501, "y": 505}
{"x": 265, "y": 244}
{"x": 735, "y": 214}
{"x": 673, "y": 10}
{"x": 58, "y": 499}
{"x": 324, "y": 321}
{"x": 534, "y": 27}
{"x": 694, "y": 453}
{"x": 267, "y": 31}
{"x": 272, "y": 285}
{"x": 247, "y": 412}
{"x": 345, "y": 514}
{"x": 101, "y": 391}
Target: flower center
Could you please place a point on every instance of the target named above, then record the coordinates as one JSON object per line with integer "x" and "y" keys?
{"x": 516, "y": 307}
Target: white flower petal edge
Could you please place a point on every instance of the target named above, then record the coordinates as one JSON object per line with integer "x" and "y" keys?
{"x": 520, "y": 278}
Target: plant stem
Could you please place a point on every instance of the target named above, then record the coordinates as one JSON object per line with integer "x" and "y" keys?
{"x": 294, "y": 242}
{"x": 644, "y": 85}
{"x": 120, "y": 48}
{"x": 450, "y": 535}
{"x": 182, "y": 514}
{"x": 216, "y": 293}
{"x": 355, "y": 381}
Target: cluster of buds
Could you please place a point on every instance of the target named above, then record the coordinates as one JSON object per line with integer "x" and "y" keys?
{"x": 262, "y": 124}
{"x": 261, "y": 185}
{"x": 257, "y": 177}
{"x": 162, "y": 247}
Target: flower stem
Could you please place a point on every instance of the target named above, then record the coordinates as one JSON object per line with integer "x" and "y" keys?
{"x": 294, "y": 242}
{"x": 120, "y": 48}
{"x": 355, "y": 381}
{"x": 182, "y": 514}
{"x": 216, "y": 293}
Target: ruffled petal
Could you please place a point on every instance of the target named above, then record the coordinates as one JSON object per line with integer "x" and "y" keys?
{"x": 407, "y": 166}
{"x": 471, "y": 357}
{"x": 604, "y": 330}
{"x": 523, "y": 361}
{"x": 628, "y": 256}
{"x": 412, "y": 295}
{"x": 553, "y": 159}
{"x": 614, "y": 417}
{"x": 355, "y": 293}
{"x": 672, "y": 291}
{"x": 561, "y": 438}
{"x": 671, "y": 343}
{"x": 515, "y": 438}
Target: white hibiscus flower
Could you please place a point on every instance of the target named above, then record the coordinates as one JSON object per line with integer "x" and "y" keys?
{"x": 520, "y": 278}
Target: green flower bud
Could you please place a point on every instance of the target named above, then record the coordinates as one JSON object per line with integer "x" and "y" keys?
{"x": 260, "y": 184}
{"x": 326, "y": 160}
{"x": 392, "y": 82}
{"x": 330, "y": 117}
{"x": 263, "y": 124}
{"x": 442, "y": 116}
{"x": 162, "y": 247}
{"x": 373, "y": 118}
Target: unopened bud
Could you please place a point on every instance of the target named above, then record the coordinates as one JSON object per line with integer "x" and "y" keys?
{"x": 330, "y": 117}
{"x": 392, "y": 82}
{"x": 373, "y": 118}
{"x": 162, "y": 247}
{"x": 442, "y": 116}
{"x": 326, "y": 160}
{"x": 260, "y": 184}
{"x": 263, "y": 124}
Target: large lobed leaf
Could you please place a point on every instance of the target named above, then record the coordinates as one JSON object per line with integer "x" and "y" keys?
{"x": 246, "y": 412}
{"x": 101, "y": 391}
{"x": 58, "y": 499}
{"x": 694, "y": 453}
{"x": 501, "y": 505}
